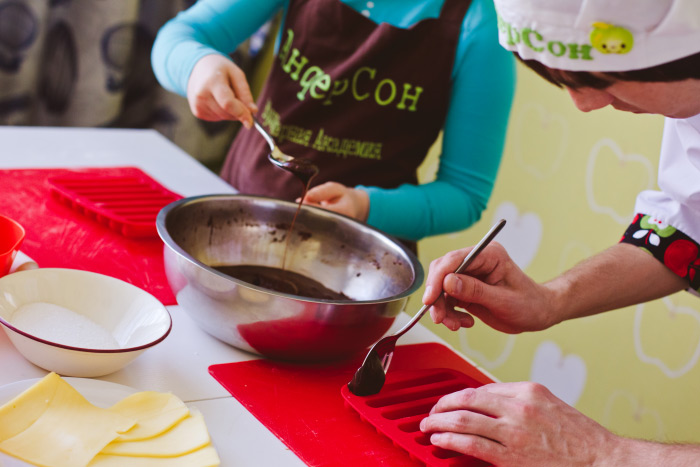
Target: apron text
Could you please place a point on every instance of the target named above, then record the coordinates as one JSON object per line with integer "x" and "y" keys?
{"x": 362, "y": 85}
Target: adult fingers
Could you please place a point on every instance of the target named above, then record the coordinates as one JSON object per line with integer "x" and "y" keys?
{"x": 461, "y": 421}
{"x": 473, "y": 399}
{"x": 484, "y": 264}
{"x": 482, "y": 448}
{"x": 487, "y": 317}
{"x": 437, "y": 313}
{"x": 439, "y": 268}
{"x": 456, "y": 319}
{"x": 468, "y": 289}
{"x": 453, "y": 319}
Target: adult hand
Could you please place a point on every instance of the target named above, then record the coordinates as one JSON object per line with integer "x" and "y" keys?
{"x": 496, "y": 291}
{"x": 519, "y": 424}
{"x": 218, "y": 90}
{"x": 493, "y": 288}
{"x": 339, "y": 198}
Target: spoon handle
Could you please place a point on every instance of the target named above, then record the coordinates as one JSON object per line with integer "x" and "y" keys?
{"x": 490, "y": 235}
{"x": 264, "y": 134}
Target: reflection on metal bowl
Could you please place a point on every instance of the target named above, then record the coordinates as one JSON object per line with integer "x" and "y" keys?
{"x": 374, "y": 270}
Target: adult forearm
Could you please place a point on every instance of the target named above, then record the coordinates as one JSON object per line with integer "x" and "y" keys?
{"x": 620, "y": 276}
{"x": 640, "y": 453}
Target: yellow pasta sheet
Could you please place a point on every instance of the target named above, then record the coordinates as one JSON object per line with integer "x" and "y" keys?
{"x": 188, "y": 435}
{"x": 51, "y": 424}
{"x": 204, "y": 457}
{"x": 156, "y": 413}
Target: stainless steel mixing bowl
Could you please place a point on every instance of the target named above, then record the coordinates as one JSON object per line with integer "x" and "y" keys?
{"x": 374, "y": 270}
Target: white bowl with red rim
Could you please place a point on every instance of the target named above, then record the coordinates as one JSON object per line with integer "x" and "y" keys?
{"x": 133, "y": 319}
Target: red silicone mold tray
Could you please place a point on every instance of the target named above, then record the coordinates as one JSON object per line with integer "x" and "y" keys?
{"x": 403, "y": 402}
{"x": 127, "y": 204}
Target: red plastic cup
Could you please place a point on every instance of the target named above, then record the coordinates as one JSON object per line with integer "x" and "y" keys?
{"x": 11, "y": 237}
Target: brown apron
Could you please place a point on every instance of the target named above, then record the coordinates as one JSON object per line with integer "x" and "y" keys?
{"x": 363, "y": 101}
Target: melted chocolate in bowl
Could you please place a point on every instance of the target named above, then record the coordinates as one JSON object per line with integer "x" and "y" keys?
{"x": 281, "y": 280}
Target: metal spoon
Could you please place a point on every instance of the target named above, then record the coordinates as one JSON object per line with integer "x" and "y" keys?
{"x": 370, "y": 377}
{"x": 301, "y": 168}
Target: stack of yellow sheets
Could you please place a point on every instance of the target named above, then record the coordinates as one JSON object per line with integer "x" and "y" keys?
{"x": 53, "y": 425}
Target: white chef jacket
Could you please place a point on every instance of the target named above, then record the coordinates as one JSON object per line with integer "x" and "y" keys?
{"x": 678, "y": 202}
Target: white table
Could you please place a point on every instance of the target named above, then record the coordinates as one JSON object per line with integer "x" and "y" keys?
{"x": 240, "y": 439}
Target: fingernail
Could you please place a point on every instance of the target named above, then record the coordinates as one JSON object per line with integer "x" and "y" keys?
{"x": 428, "y": 291}
{"x": 422, "y": 425}
{"x": 453, "y": 284}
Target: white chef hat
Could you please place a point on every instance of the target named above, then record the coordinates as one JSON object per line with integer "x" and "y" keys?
{"x": 600, "y": 35}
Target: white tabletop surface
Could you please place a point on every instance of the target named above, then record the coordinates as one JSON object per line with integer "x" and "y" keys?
{"x": 180, "y": 363}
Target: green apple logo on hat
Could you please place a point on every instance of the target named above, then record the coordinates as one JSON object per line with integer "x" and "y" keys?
{"x": 610, "y": 39}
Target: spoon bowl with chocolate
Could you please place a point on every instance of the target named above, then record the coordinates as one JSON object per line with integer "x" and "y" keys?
{"x": 301, "y": 168}
{"x": 325, "y": 290}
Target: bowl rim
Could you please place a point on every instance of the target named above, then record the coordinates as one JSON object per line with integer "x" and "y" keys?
{"x": 170, "y": 243}
{"x": 87, "y": 349}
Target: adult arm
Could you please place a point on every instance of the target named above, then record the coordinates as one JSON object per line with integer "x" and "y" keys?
{"x": 494, "y": 289}
{"x": 474, "y": 135}
{"x": 524, "y": 424}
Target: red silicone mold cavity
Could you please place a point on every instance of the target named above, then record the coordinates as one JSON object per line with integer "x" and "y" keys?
{"x": 403, "y": 402}
{"x": 127, "y": 204}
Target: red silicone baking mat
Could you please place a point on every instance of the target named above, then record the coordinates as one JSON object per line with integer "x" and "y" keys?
{"x": 59, "y": 236}
{"x": 398, "y": 409}
{"x": 127, "y": 203}
{"x": 302, "y": 404}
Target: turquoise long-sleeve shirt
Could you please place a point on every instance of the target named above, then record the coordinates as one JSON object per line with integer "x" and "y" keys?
{"x": 483, "y": 82}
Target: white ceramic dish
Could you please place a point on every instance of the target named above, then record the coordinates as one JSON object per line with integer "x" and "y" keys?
{"x": 100, "y": 393}
{"x": 135, "y": 319}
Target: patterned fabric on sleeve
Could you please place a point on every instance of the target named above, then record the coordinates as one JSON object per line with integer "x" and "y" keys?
{"x": 680, "y": 253}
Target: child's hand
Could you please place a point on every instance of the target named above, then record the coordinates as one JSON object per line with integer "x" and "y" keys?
{"x": 339, "y": 198}
{"x": 218, "y": 90}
